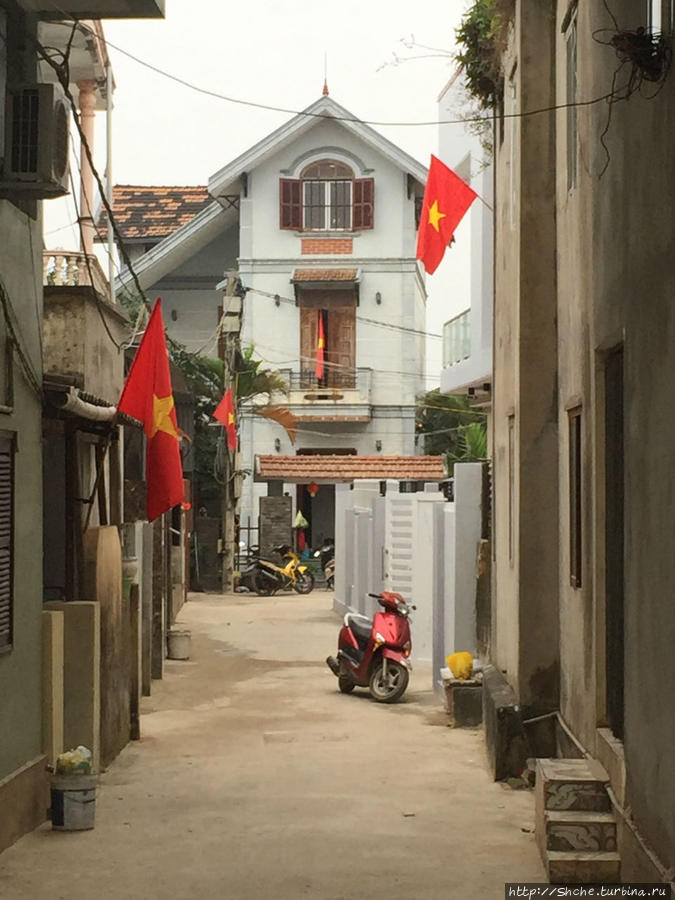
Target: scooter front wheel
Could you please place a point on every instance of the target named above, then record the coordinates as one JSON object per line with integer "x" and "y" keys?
{"x": 389, "y": 687}
{"x": 304, "y": 582}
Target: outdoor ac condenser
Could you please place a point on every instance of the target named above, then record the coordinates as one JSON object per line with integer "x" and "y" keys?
{"x": 36, "y": 141}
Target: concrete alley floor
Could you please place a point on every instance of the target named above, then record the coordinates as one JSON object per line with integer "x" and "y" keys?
{"x": 255, "y": 778}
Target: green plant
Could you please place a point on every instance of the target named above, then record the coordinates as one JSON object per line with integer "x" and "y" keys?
{"x": 451, "y": 428}
{"x": 482, "y": 39}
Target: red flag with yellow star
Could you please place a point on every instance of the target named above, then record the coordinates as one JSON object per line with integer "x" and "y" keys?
{"x": 224, "y": 412}
{"x": 147, "y": 396}
{"x": 446, "y": 199}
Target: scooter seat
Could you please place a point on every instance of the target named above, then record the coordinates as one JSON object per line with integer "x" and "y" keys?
{"x": 360, "y": 626}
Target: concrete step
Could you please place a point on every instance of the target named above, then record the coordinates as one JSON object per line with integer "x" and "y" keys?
{"x": 582, "y": 867}
{"x": 571, "y": 784}
{"x": 577, "y": 830}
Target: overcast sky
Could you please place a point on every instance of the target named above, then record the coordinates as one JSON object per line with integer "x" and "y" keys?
{"x": 268, "y": 52}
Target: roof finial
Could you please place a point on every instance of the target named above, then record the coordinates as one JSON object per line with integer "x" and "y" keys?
{"x": 325, "y": 75}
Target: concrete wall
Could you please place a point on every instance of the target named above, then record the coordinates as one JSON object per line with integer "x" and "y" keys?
{"x": 21, "y": 667}
{"x": 525, "y": 399}
{"x": 615, "y": 250}
{"x": 76, "y": 342}
{"x": 461, "y": 149}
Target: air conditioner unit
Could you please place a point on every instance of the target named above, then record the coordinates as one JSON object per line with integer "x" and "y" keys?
{"x": 36, "y": 140}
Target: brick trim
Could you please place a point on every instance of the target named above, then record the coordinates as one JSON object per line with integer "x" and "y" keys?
{"x": 326, "y": 246}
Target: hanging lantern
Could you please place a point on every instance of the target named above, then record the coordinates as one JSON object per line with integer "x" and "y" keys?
{"x": 313, "y": 488}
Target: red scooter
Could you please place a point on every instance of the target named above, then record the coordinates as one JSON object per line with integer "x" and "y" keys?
{"x": 374, "y": 653}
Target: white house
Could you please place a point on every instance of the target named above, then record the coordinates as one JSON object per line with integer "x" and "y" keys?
{"x": 467, "y": 336}
{"x": 319, "y": 220}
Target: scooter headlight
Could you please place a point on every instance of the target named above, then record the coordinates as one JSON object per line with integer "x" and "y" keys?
{"x": 379, "y": 640}
{"x": 407, "y": 647}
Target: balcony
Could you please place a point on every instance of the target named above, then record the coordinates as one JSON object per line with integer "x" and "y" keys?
{"x": 341, "y": 396}
{"x": 96, "y": 9}
{"x": 457, "y": 339}
{"x": 81, "y": 328}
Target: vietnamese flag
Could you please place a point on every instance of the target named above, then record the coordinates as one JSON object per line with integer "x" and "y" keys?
{"x": 147, "y": 396}
{"x": 446, "y": 199}
{"x": 224, "y": 412}
{"x": 320, "y": 346}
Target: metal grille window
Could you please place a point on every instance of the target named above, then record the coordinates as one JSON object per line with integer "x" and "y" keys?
{"x": 7, "y": 446}
{"x": 327, "y": 197}
{"x": 327, "y": 205}
{"x": 575, "y": 496}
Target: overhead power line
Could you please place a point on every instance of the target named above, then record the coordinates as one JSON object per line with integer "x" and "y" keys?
{"x": 322, "y": 115}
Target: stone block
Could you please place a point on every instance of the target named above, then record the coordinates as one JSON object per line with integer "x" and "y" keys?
{"x": 81, "y": 674}
{"x": 464, "y": 701}
{"x": 586, "y": 831}
{"x": 504, "y": 737}
{"x": 583, "y": 867}
{"x": 572, "y": 784}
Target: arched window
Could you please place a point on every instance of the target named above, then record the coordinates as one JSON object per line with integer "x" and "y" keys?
{"x": 326, "y": 197}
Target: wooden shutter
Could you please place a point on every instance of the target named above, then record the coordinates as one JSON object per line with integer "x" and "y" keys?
{"x": 6, "y": 542}
{"x": 341, "y": 346}
{"x": 290, "y": 205}
{"x": 364, "y": 203}
{"x": 309, "y": 336}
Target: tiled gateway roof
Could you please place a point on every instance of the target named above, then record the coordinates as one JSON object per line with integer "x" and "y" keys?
{"x": 330, "y": 469}
{"x": 152, "y": 213}
{"x": 325, "y": 275}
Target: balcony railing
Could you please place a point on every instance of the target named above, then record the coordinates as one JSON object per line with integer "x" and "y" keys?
{"x": 69, "y": 268}
{"x": 331, "y": 385}
{"x": 457, "y": 339}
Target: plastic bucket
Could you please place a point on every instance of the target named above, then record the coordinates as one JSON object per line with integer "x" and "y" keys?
{"x": 73, "y": 802}
{"x": 178, "y": 644}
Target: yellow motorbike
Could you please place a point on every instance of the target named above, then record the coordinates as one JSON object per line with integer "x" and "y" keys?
{"x": 268, "y": 577}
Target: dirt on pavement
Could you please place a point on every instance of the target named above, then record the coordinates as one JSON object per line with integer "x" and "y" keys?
{"x": 255, "y": 778}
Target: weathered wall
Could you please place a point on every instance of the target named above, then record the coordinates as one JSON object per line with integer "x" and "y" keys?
{"x": 633, "y": 276}
{"x": 275, "y": 524}
{"x": 525, "y": 409}
{"x": 21, "y": 667}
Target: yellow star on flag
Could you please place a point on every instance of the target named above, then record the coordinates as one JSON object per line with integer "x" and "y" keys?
{"x": 230, "y": 418}
{"x": 435, "y": 215}
{"x": 161, "y": 415}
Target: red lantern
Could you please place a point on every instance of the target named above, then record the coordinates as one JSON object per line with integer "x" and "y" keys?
{"x": 313, "y": 488}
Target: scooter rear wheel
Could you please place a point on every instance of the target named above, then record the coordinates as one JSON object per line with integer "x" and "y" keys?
{"x": 263, "y": 585}
{"x": 391, "y": 688}
{"x": 346, "y": 683}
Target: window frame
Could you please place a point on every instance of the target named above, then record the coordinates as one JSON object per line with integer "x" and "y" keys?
{"x": 575, "y": 493}
{"x": 294, "y": 203}
{"x": 8, "y": 446}
{"x": 571, "y": 85}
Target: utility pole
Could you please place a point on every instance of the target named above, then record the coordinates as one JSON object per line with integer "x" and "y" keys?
{"x": 229, "y": 337}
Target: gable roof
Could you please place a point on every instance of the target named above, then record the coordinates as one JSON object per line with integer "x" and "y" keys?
{"x": 190, "y": 237}
{"x": 323, "y": 108}
{"x": 330, "y": 469}
{"x": 150, "y": 213}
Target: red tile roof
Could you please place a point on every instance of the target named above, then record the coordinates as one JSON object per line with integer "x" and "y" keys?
{"x": 324, "y": 275}
{"x": 152, "y": 213}
{"x": 331, "y": 469}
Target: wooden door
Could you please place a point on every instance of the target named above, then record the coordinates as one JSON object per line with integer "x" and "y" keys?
{"x": 341, "y": 346}
{"x": 309, "y": 335}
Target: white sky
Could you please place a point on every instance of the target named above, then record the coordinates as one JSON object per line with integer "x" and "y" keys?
{"x": 271, "y": 52}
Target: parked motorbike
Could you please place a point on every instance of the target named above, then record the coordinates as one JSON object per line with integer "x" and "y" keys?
{"x": 326, "y": 555}
{"x": 374, "y": 653}
{"x": 249, "y": 559}
{"x": 269, "y": 578}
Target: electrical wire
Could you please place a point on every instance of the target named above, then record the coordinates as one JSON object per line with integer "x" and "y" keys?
{"x": 366, "y": 319}
{"x": 316, "y": 115}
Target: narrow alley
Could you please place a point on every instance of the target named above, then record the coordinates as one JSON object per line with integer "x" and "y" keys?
{"x": 256, "y": 778}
